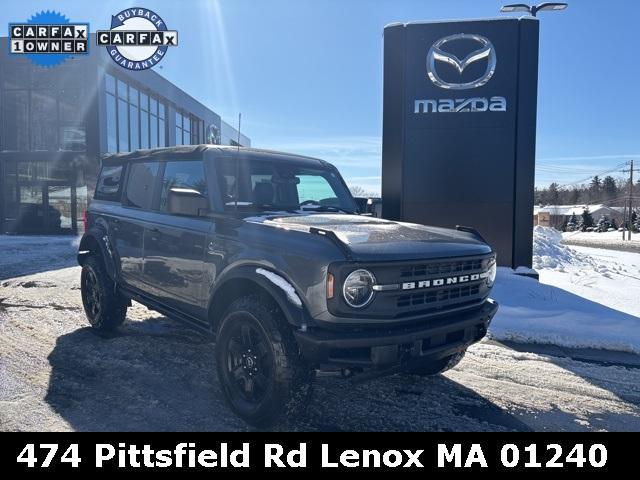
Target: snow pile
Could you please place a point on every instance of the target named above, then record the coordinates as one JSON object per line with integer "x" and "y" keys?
{"x": 548, "y": 252}
{"x": 532, "y": 312}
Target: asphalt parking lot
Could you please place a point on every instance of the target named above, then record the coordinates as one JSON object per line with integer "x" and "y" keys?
{"x": 155, "y": 374}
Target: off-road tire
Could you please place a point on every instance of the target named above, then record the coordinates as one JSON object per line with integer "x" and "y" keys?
{"x": 439, "y": 366}
{"x": 105, "y": 309}
{"x": 288, "y": 377}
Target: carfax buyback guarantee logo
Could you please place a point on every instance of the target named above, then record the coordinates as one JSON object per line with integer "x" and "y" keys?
{"x": 138, "y": 38}
{"x": 48, "y": 38}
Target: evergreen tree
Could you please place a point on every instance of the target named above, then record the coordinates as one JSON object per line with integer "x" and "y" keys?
{"x": 587, "y": 219}
{"x": 554, "y": 194}
{"x": 594, "y": 189}
{"x": 609, "y": 187}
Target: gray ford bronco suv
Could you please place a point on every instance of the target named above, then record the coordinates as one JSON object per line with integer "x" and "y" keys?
{"x": 266, "y": 252}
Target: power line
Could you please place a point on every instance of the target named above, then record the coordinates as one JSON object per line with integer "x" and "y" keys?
{"x": 578, "y": 182}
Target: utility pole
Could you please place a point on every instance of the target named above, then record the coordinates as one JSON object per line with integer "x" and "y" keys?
{"x": 630, "y": 208}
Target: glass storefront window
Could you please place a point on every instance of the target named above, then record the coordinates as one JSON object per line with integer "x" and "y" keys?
{"x": 44, "y": 134}
{"x": 134, "y": 119}
{"x": 110, "y": 84}
{"x": 122, "y": 90}
{"x": 123, "y": 126}
{"x": 178, "y": 128}
{"x": 17, "y": 76}
{"x": 133, "y": 124}
{"x": 112, "y": 140}
{"x": 60, "y": 207}
{"x": 144, "y": 129}
{"x": 186, "y": 132}
{"x": 162, "y": 139}
{"x": 154, "y": 131}
{"x": 133, "y": 96}
{"x": 71, "y": 104}
{"x": 16, "y": 114}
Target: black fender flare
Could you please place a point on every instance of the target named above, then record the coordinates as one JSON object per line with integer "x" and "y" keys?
{"x": 294, "y": 314}
{"x": 95, "y": 241}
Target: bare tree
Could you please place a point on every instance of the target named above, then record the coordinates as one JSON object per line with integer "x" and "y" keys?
{"x": 358, "y": 191}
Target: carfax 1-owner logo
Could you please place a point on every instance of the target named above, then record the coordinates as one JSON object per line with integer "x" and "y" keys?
{"x": 138, "y": 38}
{"x": 48, "y": 38}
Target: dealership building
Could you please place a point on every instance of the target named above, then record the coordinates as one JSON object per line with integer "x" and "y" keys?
{"x": 57, "y": 122}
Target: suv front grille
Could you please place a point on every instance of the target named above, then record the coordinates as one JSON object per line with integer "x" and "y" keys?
{"x": 419, "y": 287}
{"x": 433, "y": 298}
{"x": 437, "y": 296}
{"x": 441, "y": 268}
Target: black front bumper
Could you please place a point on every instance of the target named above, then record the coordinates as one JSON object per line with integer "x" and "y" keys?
{"x": 436, "y": 338}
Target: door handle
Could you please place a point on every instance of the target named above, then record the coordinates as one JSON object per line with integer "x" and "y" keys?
{"x": 154, "y": 234}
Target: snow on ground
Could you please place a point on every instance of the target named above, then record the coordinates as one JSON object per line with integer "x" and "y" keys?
{"x": 586, "y": 297}
{"x": 610, "y": 240}
{"x": 635, "y": 237}
{"x": 156, "y": 375}
{"x": 22, "y": 255}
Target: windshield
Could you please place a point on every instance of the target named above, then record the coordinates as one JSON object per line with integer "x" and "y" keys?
{"x": 278, "y": 186}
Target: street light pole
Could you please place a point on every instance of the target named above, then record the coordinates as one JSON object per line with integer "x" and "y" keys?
{"x": 534, "y": 9}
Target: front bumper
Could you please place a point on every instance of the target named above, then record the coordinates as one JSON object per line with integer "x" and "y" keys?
{"x": 436, "y": 338}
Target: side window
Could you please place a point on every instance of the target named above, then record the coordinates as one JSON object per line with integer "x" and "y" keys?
{"x": 140, "y": 184}
{"x": 109, "y": 182}
{"x": 183, "y": 174}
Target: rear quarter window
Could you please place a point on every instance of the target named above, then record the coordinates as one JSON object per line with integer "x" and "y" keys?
{"x": 109, "y": 183}
{"x": 140, "y": 184}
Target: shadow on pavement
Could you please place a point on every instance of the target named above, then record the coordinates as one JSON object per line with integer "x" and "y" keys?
{"x": 535, "y": 312}
{"x": 158, "y": 375}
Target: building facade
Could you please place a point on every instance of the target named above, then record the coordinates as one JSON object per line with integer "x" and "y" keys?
{"x": 557, "y": 216}
{"x": 56, "y": 123}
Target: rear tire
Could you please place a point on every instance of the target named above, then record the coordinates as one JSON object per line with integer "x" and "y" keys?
{"x": 259, "y": 365}
{"x": 439, "y": 366}
{"x": 105, "y": 309}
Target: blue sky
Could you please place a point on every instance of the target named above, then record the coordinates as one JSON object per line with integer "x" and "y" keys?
{"x": 307, "y": 74}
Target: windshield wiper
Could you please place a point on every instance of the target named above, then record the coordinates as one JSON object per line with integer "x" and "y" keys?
{"x": 327, "y": 208}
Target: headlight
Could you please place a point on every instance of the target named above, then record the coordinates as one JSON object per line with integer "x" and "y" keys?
{"x": 358, "y": 288}
{"x": 491, "y": 273}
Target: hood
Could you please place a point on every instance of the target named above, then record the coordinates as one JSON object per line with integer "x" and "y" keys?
{"x": 371, "y": 239}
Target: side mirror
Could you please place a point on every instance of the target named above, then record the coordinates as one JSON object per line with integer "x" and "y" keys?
{"x": 187, "y": 201}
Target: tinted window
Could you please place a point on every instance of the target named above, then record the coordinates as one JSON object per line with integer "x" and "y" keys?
{"x": 186, "y": 174}
{"x": 109, "y": 182}
{"x": 140, "y": 184}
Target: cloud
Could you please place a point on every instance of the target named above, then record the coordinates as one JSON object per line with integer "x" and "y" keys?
{"x": 624, "y": 156}
{"x": 348, "y": 151}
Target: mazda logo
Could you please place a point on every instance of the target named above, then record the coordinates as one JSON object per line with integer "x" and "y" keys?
{"x": 437, "y": 54}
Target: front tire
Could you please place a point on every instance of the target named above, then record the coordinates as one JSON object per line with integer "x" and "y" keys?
{"x": 259, "y": 367}
{"x": 439, "y": 366}
{"x": 105, "y": 309}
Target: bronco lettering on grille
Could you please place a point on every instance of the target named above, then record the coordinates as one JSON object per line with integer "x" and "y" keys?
{"x": 438, "y": 282}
